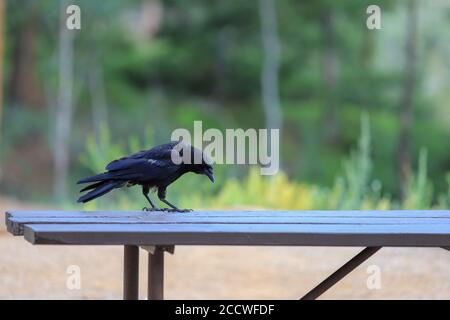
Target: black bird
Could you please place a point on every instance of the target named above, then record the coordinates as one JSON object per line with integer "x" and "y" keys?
{"x": 151, "y": 169}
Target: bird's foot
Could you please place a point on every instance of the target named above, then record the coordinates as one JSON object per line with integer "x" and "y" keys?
{"x": 153, "y": 209}
{"x": 166, "y": 209}
{"x": 178, "y": 210}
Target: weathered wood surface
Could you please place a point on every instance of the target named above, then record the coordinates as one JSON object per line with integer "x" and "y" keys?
{"x": 302, "y": 228}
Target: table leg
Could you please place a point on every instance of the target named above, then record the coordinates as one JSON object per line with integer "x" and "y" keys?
{"x": 131, "y": 273}
{"x": 340, "y": 273}
{"x": 156, "y": 274}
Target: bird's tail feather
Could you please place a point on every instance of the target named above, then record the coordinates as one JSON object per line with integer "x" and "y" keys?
{"x": 101, "y": 188}
{"x": 93, "y": 186}
{"x": 98, "y": 177}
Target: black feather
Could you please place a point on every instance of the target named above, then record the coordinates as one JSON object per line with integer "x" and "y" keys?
{"x": 152, "y": 168}
{"x": 93, "y": 186}
{"x": 101, "y": 190}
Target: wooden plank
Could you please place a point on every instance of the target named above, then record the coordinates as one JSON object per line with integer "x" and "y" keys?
{"x": 71, "y": 213}
{"x": 15, "y": 224}
{"x": 238, "y": 220}
{"x": 240, "y": 234}
{"x": 218, "y": 213}
{"x": 16, "y": 219}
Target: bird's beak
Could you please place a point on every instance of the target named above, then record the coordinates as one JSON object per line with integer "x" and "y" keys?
{"x": 210, "y": 175}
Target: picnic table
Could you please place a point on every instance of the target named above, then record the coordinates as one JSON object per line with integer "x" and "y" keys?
{"x": 159, "y": 232}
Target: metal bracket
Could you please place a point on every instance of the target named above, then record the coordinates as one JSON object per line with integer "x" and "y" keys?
{"x": 340, "y": 273}
{"x": 151, "y": 249}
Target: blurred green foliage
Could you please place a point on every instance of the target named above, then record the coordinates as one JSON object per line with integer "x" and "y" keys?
{"x": 355, "y": 188}
{"x": 202, "y": 61}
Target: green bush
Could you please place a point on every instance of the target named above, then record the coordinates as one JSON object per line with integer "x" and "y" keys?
{"x": 419, "y": 192}
{"x": 354, "y": 189}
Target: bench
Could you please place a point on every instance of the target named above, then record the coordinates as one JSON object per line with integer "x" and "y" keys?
{"x": 159, "y": 232}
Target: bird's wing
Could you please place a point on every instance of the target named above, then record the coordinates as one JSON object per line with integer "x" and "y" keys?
{"x": 142, "y": 168}
{"x": 145, "y": 169}
{"x": 136, "y": 169}
{"x": 123, "y": 162}
{"x": 160, "y": 153}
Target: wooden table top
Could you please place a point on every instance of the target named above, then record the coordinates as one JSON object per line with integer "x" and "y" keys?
{"x": 399, "y": 228}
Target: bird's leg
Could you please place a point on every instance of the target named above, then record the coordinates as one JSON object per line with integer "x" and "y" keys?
{"x": 145, "y": 191}
{"x": 150, "y": 201}
{"x": 174, "y": 208}
{"x": 162, "y": 197}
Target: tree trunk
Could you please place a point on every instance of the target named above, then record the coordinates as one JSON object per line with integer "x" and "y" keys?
{"x": 98, "y": 98}
{"x": 24, "y": 88}
{"x": 2, "y": 24}
{"x": 406, "y": 107}
{"x": 222, "y": 44}
{"x": 329, "y": 69}
{"x": 64, "y": 107}
{"x": 270, "y": 69}
{"x": 2, "y": 28}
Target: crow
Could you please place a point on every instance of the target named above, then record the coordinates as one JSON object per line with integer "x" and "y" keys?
{"x": 153, "y": 169}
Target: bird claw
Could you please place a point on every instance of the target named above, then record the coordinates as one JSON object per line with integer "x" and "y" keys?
{"x": 166, "y": 209}
{"x": 153, "y": 209}
{"x": 179, "y": 210}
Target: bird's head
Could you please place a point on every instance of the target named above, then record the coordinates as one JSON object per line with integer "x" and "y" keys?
{"x": 198, "y": 162}
{"x": 205, "y": 169}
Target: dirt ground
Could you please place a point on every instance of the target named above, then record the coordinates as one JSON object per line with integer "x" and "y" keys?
{"x": 40, "y": 272}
